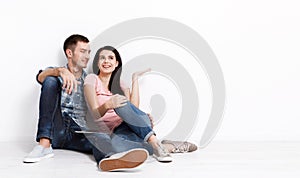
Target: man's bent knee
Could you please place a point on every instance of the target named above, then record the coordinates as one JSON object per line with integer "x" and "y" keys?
{"x": 51, "y": 81}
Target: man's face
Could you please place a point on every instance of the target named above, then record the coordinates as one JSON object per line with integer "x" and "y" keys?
{"x": 81, "y": 54}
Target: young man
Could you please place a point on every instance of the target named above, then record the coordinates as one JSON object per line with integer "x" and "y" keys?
{"x": 62, "y": 112}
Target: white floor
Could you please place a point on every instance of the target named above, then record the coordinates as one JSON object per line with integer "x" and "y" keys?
{"x": 219, "y": 159}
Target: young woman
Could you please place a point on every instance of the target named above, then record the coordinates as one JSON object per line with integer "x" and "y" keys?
{"x": 115, "y": 109}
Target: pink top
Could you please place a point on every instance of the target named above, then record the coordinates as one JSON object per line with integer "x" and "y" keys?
{"x": 110, "y": 120}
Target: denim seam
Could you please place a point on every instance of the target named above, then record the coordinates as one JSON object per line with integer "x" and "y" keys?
{"x": 52, "y": 118}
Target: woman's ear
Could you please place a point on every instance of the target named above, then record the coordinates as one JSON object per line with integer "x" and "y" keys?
{"x": 117, "y": 63}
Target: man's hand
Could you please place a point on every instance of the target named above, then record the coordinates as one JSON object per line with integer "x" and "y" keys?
{"x": 69, "y": 80}
{"x": 116, "y": 101}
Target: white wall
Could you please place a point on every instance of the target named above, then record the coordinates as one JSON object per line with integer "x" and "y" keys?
{"x": 256, "y": 42}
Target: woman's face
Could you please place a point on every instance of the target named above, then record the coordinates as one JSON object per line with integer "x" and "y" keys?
{"x": 107, "y": 61}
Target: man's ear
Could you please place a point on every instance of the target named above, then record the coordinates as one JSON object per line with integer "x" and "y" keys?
{"x": 69, "y": 53}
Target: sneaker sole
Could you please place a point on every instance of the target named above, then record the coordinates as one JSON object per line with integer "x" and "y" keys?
{"x": 163, "y": 160}
{"x": 129, "y": 160}
{"x": 34, "y": 160}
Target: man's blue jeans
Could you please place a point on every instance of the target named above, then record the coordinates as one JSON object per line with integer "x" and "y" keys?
{"x": 61, "y": 129}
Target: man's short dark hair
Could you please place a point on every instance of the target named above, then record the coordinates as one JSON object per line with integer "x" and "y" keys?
{"x": 72, "y": 40}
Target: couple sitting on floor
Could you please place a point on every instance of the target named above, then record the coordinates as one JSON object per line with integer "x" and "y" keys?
{"x": 125, "y": 135}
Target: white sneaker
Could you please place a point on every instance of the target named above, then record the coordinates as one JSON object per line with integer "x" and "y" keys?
{"x": 180, "y": 146}
{"x": 161, "y": 154}
{"x": 38, "y": 153}
{"x": 124, "y": 160}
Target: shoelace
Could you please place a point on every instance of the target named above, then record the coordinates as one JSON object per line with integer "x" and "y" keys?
{"x": 163, "y": 150}
{"x": 183, "y": 148}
